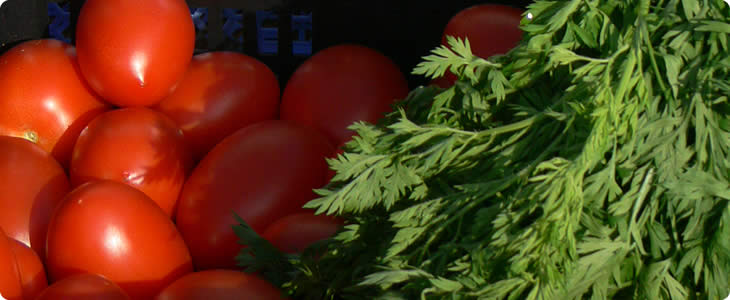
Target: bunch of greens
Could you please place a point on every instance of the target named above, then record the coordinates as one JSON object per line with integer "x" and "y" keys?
{"x": 591, "y": 162}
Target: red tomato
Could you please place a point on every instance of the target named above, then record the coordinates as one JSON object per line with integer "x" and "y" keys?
{"x": 221, "y": 93}
{"x": 262, "y": 173}
{"x": 220, "y": 285}
{"x": 137, "y": 146}
{"x": 133, "y": 52}
{"x": 10, "y": 285}
{"x": 44, "y": 97}
{"x": 341, "y": 85}
{"x": 296, "y": 232}
{"x": 83, "y": 287}
{"x": 30, "y": 268}
{"x": 491, "y": 29}
{"x": 32, "y": 184}
{"x": 109, "y": 228}
{"x": 445, "y": 81}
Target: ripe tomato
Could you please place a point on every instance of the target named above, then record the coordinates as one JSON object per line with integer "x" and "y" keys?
{"x": 262, "y": 173}
{"x": 44, "y": 97}
{"x": 133, "y": 52}
{"x": 109, "y": 228}
{"x": 221, "y": 93}
{"x": 83, "y": 287}
{"x": 137, "y": 146}
{"x": 341, "y": 85}
{"x": 32, "y": 184}
{"x": 10, "y": 285}
{"x": 445, "y": 81}
{"x": 220, "y": 285}
{"x": 30, "y": 268}
{"x": 491, "y": 29}
{"x": 296, "y": 232}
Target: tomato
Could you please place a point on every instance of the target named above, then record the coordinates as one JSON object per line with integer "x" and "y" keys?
{"x": 137, "y": 146}
{"x": 445, "y": 81}
{"x": 220, "y": 285}
{"x": 30, "y": 268}
{"x": 83, "y": 287}
{"x": 10, "y": 284}
{"x": 111, "y": 229}
{"x": 44, "y": 98}
{"x": 32, "y": 184}
{"x": 262, "y": 172}
{"x": 340, "y": 85}
{"x": 296, "y": 232}
{"x": 134, "y": 52}
{"x": 221, "y": 93}
{"x": 491, "y": 29}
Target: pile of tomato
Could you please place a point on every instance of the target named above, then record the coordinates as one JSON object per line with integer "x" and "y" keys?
{"x": 124, "y": 158}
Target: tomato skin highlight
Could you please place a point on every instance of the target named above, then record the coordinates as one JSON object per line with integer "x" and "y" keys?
{"x": 30, "y": 268}
{"x": 261, "y": 173}
{"x": 340, "y": 85}
{"x": 43, "y": 96}
{"x": 295, "y": 232}
{"x": 32, "y": 185}
{"x": 111, "y": 229}
{"x": 83, "y": 287}
{"x": 221, "y": 93}
{"x": 220, "y": 285}
{"x": 134, "y": 52}
{"x": 137, "y": 146}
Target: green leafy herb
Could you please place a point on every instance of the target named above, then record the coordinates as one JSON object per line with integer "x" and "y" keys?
{"x": 588, "y": 163}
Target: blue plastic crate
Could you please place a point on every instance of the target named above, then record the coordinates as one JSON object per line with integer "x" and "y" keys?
{"x": 233, "y": 23}
{"x": 302, "y": 27}
{"x": 60, "y": 19}
{"x": 267, "y": 37}
{"x": 200, "y": 17}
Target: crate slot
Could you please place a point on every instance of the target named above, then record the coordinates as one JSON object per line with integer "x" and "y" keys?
{"x": 302, "y": 28}
{"x": 267, "y": 32}
{"x": 60, "y": 19}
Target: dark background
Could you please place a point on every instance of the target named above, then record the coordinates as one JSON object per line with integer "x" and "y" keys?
{"x": 402, "y": 30}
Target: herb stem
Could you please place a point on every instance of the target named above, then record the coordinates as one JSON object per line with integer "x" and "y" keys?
{"x": 643, "y": 192}
{"x": 506, "y": 183}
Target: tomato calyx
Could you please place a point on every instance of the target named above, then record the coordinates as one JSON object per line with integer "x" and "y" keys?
{"x": 31, "y": 136}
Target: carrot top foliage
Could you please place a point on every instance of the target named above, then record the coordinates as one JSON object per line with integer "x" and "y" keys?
{"x": 590, "y": 162}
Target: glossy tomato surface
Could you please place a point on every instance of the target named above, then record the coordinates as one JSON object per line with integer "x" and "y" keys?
{"x": 32, "y": 184}
{"x": 296, "y": 232}
{"x": 492, "y": 29}
{"x": 137, "y": 146}
{"x": 220, "y": 285}
{"x": 44, "y": 98}
{"x": 10, "y": 284}
{"x": 111, "y": 229}
{"x": 83, "y": 287}
{"x": 30, "y": 268}
{"x": 133, "y": 52}
{"x": 221, "y": 93}
{"x": 340, "y": 85}
{"x": 262, "y": 173}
